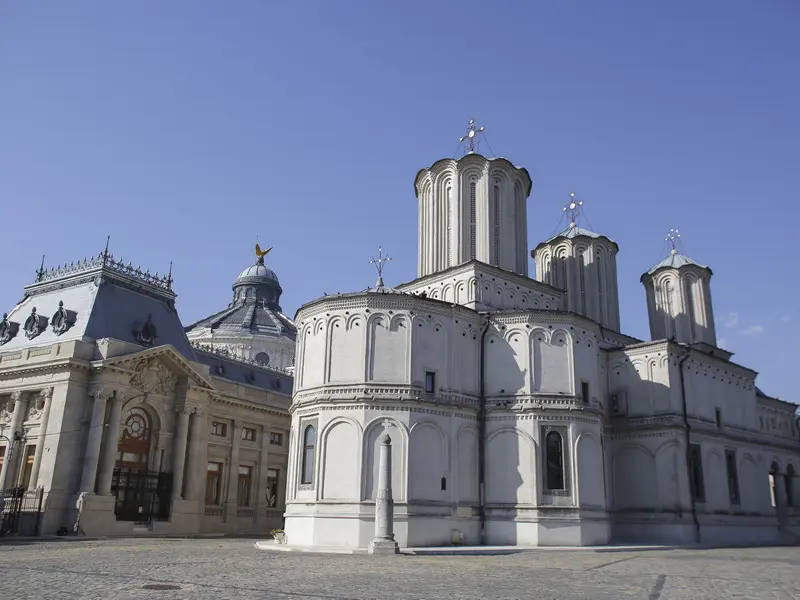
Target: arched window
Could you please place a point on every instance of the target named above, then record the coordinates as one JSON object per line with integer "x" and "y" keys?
{"x": 134, "y": 444}
{"x": 309, "y": 444}
{"x": 582, "y": 282}
{"x": 688, "y": 283}
{"x": 789, "y": 479}
{"x": 554, "y": 453}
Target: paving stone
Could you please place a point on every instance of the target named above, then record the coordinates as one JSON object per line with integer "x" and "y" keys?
{"x": 221, "y": 569}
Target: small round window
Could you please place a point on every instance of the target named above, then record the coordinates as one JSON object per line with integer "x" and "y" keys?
{"x": 262, "y": 358}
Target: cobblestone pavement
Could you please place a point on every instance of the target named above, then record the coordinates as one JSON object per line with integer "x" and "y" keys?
{"x": 232, "y": 568}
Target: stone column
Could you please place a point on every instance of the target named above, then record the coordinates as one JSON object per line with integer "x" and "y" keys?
{"x": 111, "y": 447}
{"x": 46, "y": 395}
{"x": 233, "y": 474}
{"x": 17, "y": 418}
{"x": 261, "y": 492}
{"x": 95, "y": 439}
{"x": 179, "y": 454}
{"x": 198, "y": 456}
{"x": 384, "y": 542}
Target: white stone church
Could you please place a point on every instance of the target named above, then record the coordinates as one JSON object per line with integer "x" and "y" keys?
{"x": 518, "y": 411}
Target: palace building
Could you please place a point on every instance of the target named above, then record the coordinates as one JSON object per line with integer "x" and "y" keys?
{"x": 519, "y": 413}
{"x": 120, "y": 425}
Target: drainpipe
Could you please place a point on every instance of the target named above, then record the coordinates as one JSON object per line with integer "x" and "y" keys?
{"x": 482, "y": 434}
{"x": 688, "y": 429}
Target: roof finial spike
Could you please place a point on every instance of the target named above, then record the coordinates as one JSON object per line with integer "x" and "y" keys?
{"x": 40, "y": 272}
{"x": 471, "y": 136}
{"x": 105, "y": 252}
{"x": 573, "y": 210}
{"x": 673, "y": 237}
{"x": 379, "y": 263}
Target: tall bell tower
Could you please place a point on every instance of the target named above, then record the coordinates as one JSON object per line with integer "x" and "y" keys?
{"x": 472, "y": 208}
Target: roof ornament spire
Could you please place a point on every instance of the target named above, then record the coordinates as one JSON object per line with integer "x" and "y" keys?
{"x": 471, "y": 136}
{"x": 261, "y": 253}
{"x": 673, "y": 237}
{"x": 40, "y": 272}
{"x": 379, "y": 263}
{"x": 573, "y": 209}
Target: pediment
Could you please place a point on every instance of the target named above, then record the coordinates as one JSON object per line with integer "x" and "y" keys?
{"x": 157, "y": 370}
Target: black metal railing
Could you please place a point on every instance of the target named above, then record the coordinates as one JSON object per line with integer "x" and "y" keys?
{"x": 22, "y": 511}
{"x": 141, "y": 496}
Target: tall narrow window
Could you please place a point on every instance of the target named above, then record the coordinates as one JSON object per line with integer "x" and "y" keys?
{"x": 601, "y": 306}
{"x": 496, "y": 208}
{"x": 449, "y": 216}
{"x": 309, "y": 443}
{"x": 272, "y": 487}
{"x": 245, "y": 485}
{"x": 696, "y": 473}
{"x": 27, "y": 468}
{"x": 718, "y": 416}
{"x": 472, "y": 214}
{"x": 585, "y": 392}
{"x": 430, "y": 382}
{"x": 668, "y": 304}
{"x": 689, "y": 285}
{"x": 213, "y": 483}
{"x": 733, "y": 476}
{"x": 789, "y": 481}
{"x": 554, "y": 453}
{"x": 773, "y": 484}
{"x": 582, "y": 280}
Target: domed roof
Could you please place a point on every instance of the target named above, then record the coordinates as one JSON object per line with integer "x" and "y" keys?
{"x": 676, "y": 260}
{"x": 257, "y": 273}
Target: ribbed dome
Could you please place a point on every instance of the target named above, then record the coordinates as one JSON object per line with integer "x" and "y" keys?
{"x": 256, "y": 272}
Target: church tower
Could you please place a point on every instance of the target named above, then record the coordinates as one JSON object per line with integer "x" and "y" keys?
{"x": 584, "y": 264}
{"x": 473, "y": 208}
{"x": 679, "y": 299}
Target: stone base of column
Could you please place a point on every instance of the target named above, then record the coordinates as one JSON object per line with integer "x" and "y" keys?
{"x": 383, "y": 547}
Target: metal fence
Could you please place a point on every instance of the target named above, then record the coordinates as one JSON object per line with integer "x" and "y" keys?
{"x": 22, "y": 512}
{"x": 141, "y": 496}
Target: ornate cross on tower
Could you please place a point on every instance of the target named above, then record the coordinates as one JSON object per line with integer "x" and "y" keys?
{"x": 673, "y": 237}
{"x": 472, "y": 134}
{"x": 379, "y": 262}
{"x": 573, "y": 209}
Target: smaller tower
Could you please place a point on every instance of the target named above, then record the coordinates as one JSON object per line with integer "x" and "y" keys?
{"x": 583, "y": 263}
{"x": 679, "y": 298}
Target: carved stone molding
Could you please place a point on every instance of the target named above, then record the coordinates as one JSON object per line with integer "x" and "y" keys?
{"x": 151, "y": 376}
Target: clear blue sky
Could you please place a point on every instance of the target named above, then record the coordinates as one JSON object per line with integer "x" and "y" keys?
{"x": 184, "y": 129}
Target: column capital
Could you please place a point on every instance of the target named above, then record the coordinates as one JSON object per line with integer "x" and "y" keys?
{"x": 16, "y": 395}
{"x": 46, "y": 393}
{"x": 101, "y": 393}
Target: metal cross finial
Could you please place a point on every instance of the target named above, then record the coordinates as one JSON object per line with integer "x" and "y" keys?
{"x": 673, "y": 237}
{"x": 472, "y": 134}
{"x": 573, "y": 209}
{"x": 379, "y": 263}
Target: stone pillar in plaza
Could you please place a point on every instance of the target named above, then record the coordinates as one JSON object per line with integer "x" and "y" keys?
{"x": 179, "y": 454}
{"x": 384, "y": 542}
{"x": 45, "y": 396}
{"x": 17, "y": 418}
{"x": 111, "y": 445}
{"x": 95, "y": 439}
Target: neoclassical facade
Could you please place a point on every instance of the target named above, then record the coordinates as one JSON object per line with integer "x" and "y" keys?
{"x": 122, "y": 425}
{"x": 518, "y": 412}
